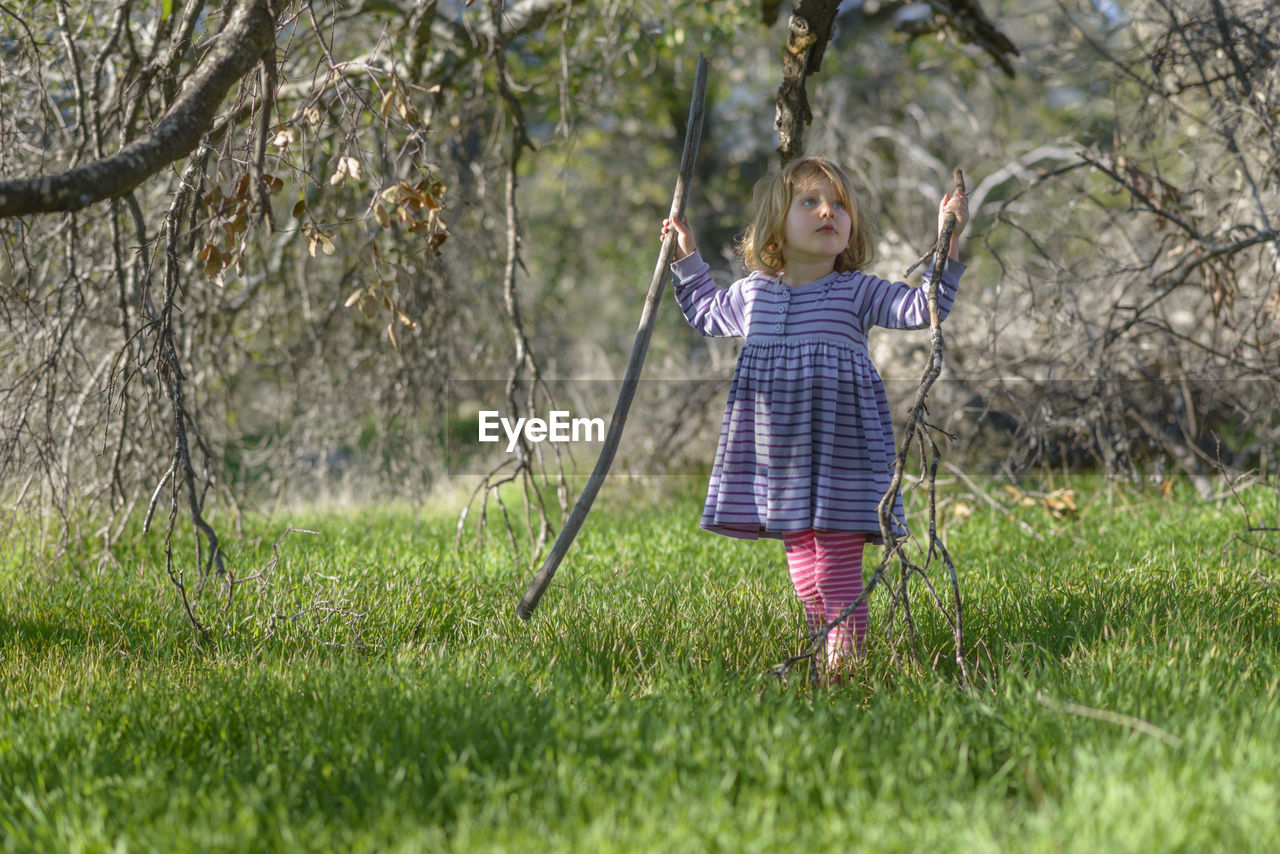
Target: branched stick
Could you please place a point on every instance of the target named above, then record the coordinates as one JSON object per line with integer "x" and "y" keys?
{"x": 917, "y": 427}
{"x": 916, "y": 431}
{"x": 265, "y": 570}
{"x": 639, "y": 350}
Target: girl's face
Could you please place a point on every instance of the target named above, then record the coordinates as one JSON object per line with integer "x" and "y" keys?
{"x": 817, "y": 225}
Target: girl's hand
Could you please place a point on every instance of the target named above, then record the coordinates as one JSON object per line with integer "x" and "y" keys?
{"x": 958, "y": 205}
{"x": 684, "y": 236}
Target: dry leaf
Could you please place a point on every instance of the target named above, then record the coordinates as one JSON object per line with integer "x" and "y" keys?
{"x": 212, "y": 260}
{"x": 397, "y": 193}
{"x": 285, "y": 135}
{"x": 388, "y": 101}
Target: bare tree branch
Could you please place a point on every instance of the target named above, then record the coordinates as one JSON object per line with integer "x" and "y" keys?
{"x": 249, "y": 33}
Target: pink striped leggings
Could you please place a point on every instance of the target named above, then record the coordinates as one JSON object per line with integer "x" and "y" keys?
{"x": 826, "y": 569}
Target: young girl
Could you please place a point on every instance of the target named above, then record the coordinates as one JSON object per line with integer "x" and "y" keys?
{"x": 806, "y": 445}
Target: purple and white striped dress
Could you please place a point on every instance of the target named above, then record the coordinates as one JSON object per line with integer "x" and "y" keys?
{"x": 806, "y": 440}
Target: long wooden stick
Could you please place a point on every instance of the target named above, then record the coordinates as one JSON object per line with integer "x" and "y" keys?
{"x": 692, "y": 138}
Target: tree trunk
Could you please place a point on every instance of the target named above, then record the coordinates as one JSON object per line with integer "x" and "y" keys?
{"x": 808, "y": 32}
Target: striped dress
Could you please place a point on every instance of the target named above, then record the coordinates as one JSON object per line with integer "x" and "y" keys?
{"x": 806, "y": 440}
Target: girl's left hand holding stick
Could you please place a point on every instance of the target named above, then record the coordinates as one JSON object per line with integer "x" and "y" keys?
{"x": 685, "y": 241}
{"x": 958, "y": 205}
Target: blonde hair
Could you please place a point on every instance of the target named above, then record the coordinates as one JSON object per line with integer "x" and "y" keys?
{"x": 761, "y": 247}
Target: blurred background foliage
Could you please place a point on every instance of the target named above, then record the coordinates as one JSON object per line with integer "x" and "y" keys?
{"x": 1119, "y": 313}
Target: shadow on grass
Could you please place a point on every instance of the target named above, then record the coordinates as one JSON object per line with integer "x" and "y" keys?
{"x": 37, "y": 637}
{"x": 358, "y": 746}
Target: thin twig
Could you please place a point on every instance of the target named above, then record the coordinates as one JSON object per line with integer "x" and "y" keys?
{"x": 155, "y": 497}
{"x": 1138, "y": 725}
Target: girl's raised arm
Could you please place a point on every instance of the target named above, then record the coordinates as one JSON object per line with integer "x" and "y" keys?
{"x": 897, "y": 305}
{"x": 715, "y": 312}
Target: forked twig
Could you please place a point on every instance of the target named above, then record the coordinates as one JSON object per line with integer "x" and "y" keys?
{"x": 916, "y": 430}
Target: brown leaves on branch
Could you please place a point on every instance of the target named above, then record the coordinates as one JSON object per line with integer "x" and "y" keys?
{"x": 374, "y": 297}
{"x": 414, "y": 207}
{"x": 401, "y": 207}
{"x": 226, "y": 217}
{"x": 417, "y": 207}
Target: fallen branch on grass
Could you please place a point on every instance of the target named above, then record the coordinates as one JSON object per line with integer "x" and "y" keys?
{"x": 1138, "y": 725}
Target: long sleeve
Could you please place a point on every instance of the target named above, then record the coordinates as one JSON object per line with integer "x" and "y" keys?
{"x": 715, "y": 312}
{"x": 897, "y": 305}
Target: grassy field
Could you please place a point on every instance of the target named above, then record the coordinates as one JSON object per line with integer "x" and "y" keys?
{"x": 374, "y": 692}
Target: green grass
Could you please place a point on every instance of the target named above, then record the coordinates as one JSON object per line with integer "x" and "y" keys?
{"x": 1127, "y": 698}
